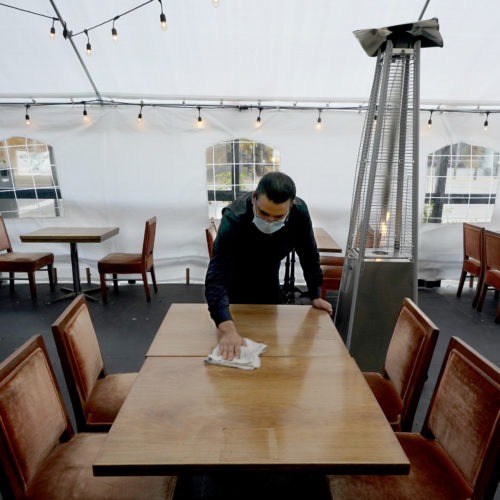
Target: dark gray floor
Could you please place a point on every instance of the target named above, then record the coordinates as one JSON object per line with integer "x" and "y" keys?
{"x": 127, "y": 324}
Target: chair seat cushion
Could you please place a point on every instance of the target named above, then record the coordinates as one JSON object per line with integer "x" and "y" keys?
{"x": 107, "y": 397}
{"x": 387, "y": 396}
{"x": 67, "y": 473}
{"x": 472, "y": 266}
{"x": 432, "y": 476}
{"x": 492, "y": 278}
{"x": 120, "y": 263}
{"x": 24, "y": 262}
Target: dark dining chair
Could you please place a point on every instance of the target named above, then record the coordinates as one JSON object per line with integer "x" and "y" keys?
{"x": 40, "y": 455}
{"x": 16, "y": 262}
{"x": 131, "y": 263}
{"x": 456, "y": 455}
{"x": 399, "y": 386}
{"x": 332, "y": 267}
{"x": 472, "y": 264}
{"x": 96, "y": 396}
{"x": 491, "y": 268}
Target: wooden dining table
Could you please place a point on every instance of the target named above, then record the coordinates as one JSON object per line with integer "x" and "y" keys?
{"x": 73, "y": 236}
{"x": 307, "y": 408}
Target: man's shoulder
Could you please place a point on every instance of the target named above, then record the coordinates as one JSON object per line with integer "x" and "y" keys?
{"x": 238, "y": 208}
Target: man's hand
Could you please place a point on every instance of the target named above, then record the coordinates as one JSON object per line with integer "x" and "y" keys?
{"x": 230, "y": 340}
{"x": 322, "y": 304}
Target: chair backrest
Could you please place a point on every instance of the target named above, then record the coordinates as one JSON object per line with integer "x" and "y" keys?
{"x": 408, "y": 357}
{"x": 149, "y": 241}
{"x": 32, "y": 415}
{"x": 473, "y": 241}
{"x": 491, "y": 249}
{"x": 464, "y": 416}
{"x": 211, "y": 234}
{"x": 4, "y": 237}
{"x": 79, "y": 353}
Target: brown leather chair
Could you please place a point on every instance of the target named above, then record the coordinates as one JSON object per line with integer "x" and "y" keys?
{"x": 96, "y": 396}
{"x": 211, "y": 234}
{"x": 332, "y": 267}
{"x": 131, "y": 263}
{"x": 16, "y": 262}
{"x": 491, "y": 268}
{"x": 399, "y": 386}
{"x": 472, "y": 266}
{"x": 40, "y": 455}
{"x": 456, "y": 455}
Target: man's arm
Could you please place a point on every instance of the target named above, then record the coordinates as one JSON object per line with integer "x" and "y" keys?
{"x": 216, "y": 284}
{"x": 307, "y": 251}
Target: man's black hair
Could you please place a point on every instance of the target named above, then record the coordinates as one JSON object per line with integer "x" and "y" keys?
{"x": 277, "y": 186}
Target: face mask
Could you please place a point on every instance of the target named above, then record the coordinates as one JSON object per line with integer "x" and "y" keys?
{"x": 268, "y": 227}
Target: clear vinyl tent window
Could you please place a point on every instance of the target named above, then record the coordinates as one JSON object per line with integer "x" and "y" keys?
{"x": 235, "y": 167}
{"x": 461, "y": 184}
{"x": 28, "y": 179}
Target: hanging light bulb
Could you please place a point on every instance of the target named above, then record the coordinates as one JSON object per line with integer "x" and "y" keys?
{"x": 27, "y": 116}
{"x": 319, "y": 124}
{"x": 485, "y": 125}
{"x": 215, "y": 3}
{"x": 85, "y": 114}
{"x": 89, "y": 47}
{"x": 53, "y": 30}
{"x": 139, "y": 116}
{"x": 258, "y": 122}
{"x": 163, "y": 18}
{"x": 114, "y": 32}
{"x": 429, "y": 122}
{"x": 199, "y": 123}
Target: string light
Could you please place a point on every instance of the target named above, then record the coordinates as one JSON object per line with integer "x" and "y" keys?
{"x": 53, "y": 30}
{"x": 429, "y": 122}
{"x": 27, "y": 116}
{"x": 114, "y": 32}
{"x": 85, "y": 114}
{"x": 89, "y": 47}
{"x": 139, "y": 116}
{"x": 485, "y": 125}
{"x": 319, "y": 124}
{"x": 200, "y": 119}
{"x": 258, "y": 123}
{"x": 163, "y": 18}
{"x": 215, "y": 3}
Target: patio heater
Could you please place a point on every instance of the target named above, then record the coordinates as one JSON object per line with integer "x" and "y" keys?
{"x": 381, "y": 253}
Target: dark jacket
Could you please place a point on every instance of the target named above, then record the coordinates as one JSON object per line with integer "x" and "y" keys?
{"x": 245, "y": 265}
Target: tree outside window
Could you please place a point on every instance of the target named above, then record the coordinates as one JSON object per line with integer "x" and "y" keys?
{"x": 235, "y": 167}
{"x": 28, "y": 179}
{"x": 461, "y": 184}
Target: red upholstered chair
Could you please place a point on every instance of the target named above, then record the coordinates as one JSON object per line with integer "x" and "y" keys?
{"x": 131, "y": 263}
{"x": 211, "y": 234}
{"x": 332, "y": 267}
{"x": 41, "y": 457}
{"x": 16, "y": 262}
{"x": 491, "y": 268}
{"x": 96, "y": 396}
{"x": 472, "y": 265}
{"x": 456, "y": 455}
{"x": 399, "y": 386}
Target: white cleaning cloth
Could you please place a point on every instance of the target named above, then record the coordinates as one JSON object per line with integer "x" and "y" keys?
{"x": 248, "y": 360}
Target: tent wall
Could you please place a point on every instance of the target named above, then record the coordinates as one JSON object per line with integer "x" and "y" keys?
{"x": 113, "y": 171}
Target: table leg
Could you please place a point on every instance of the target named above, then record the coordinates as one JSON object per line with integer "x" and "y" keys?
{"x": 75, "y": 270}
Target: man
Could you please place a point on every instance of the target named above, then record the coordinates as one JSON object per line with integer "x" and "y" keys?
{"x": 257, "y": 231}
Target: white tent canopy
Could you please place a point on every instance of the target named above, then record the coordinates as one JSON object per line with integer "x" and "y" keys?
{"x": 277, "y": 54}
